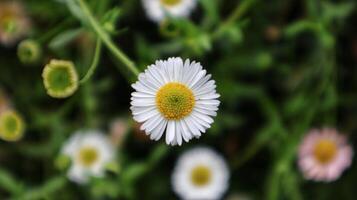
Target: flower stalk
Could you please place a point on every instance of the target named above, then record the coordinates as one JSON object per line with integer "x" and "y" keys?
{"x": 105, "y": 38}
{"x": 237, "y": 13}
{"x": 94, "y": 64}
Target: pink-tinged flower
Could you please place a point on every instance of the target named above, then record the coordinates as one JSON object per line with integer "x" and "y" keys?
{"x": 14, "y": 23}
{"x": 324, "y": 155}
{"x": 5, "y": 103}
{"x": 118, "y": 128}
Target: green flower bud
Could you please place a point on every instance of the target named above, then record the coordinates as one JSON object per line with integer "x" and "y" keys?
{"x": 12, "y": 126}
{"x": 60, "y": 78}
{"x": 29, "y": 51}
{"x": 113, "y": 167}
{"x": 169, "y": 28}
{"x": 62, "y": 162}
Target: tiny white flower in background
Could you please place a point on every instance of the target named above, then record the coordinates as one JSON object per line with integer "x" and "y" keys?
{"x": 158, "y": 10}
{"x": 324, "y": 155}
{"x": 200, "y": 173}
{"x": 90, "y": 152}
{"x": 177, "y": 97}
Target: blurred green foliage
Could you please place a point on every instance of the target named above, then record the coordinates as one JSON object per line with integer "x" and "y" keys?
{"x": 281, "y": 67}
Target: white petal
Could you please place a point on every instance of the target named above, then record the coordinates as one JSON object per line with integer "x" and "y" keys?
{"x": 171, "y": 69}
{"x": 143, "y": 102}
{"x": 192, "y": 73}
{"x": 206, "y": 112}
{"x": 159, "y": 131}
{"x": 208, "y": 96}
{"x": 206, "y": 118}
{"x": 152, "y": 77}
{"x": 156, "y": 75}
{"x": 207, "y": 107}
{"x": 162, "y": 72}
{"x": 207, "y": 88}
{"x": 141, "y": 94}
{"x": 170, "y": 131}
{"x": 197, "y": 125}
{"x": 140, "y": 110}
{"x": 201, "y": 82}
{"x": 178, "y": 70}
{"x": 208, "y": 102}
{"x": 139, "y": 87}
{"x": 185, "y": 131}
{"x": 178, "y": 133}
{"x": 197, "y": 78}
{"x": 76, "y": 174}
{"x": 145, "y": 116}
{"x": 192, "y": 127}
{"x": 151, "y": 123}
{"x": 202, "y": 122}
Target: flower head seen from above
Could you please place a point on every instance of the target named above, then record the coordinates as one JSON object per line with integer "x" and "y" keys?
{"x": 12, "y": 126}
{"x": 176, "y": 97}
{"x": 89, "y": 152}
{"x": 159, "y": 10}
{"x": 60, "y": 78}
{"x": 29, "y": 51}
{"x": 14, "y": 23}
{"x": 324, "y": 154}
{"x": 200, "y": 173}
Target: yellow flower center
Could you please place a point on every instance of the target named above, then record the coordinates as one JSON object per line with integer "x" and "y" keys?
{"x": 325, "y": 150}
{"x": 88, "y": 156}
{"x": 201, "y": 175}
{"x": 170, "y": 3}
{"x": 175, "y": 101}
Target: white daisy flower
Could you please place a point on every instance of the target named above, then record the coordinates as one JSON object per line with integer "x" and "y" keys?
{"x": 158, "y": 10}
{"x": 90, "y": 152}
{"x": 177, "y": 97}
{"x": 200, "y": 173}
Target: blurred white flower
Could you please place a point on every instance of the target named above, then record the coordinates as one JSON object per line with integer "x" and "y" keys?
{"x": 14, "y": 23}
{"x": 177, "y": 96}
{"x": 324, "y": 155}
{"x": 158, "y": 10}
{"x": 90, "y": 152}
{"x": 199, "y": 174}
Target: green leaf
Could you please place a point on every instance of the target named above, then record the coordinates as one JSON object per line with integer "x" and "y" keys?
{"x": 211, "y": 10}
{"x": 110, "y": 20}
{"x": 158, "y": 153}
{"x": 46, "y": 190}
{"x": 134, "y": 171}
{"x": 64, "y": 38}
{"x": 336, "y": 11}
{"x": 9, "y": 183}
{"x": 75, "y": 10}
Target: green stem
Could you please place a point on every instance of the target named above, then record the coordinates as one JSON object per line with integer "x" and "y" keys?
{"x": 107, "y": 40}
{"x": 95, "y": 62}
{"x": 237, "y": 13}
{"x": 51, "y": 33}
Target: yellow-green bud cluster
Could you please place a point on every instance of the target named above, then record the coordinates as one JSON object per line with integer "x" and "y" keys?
{"x": 60, "y": 78}
{"x": 12, "y": 126}
{"x": 29, "y": 51}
